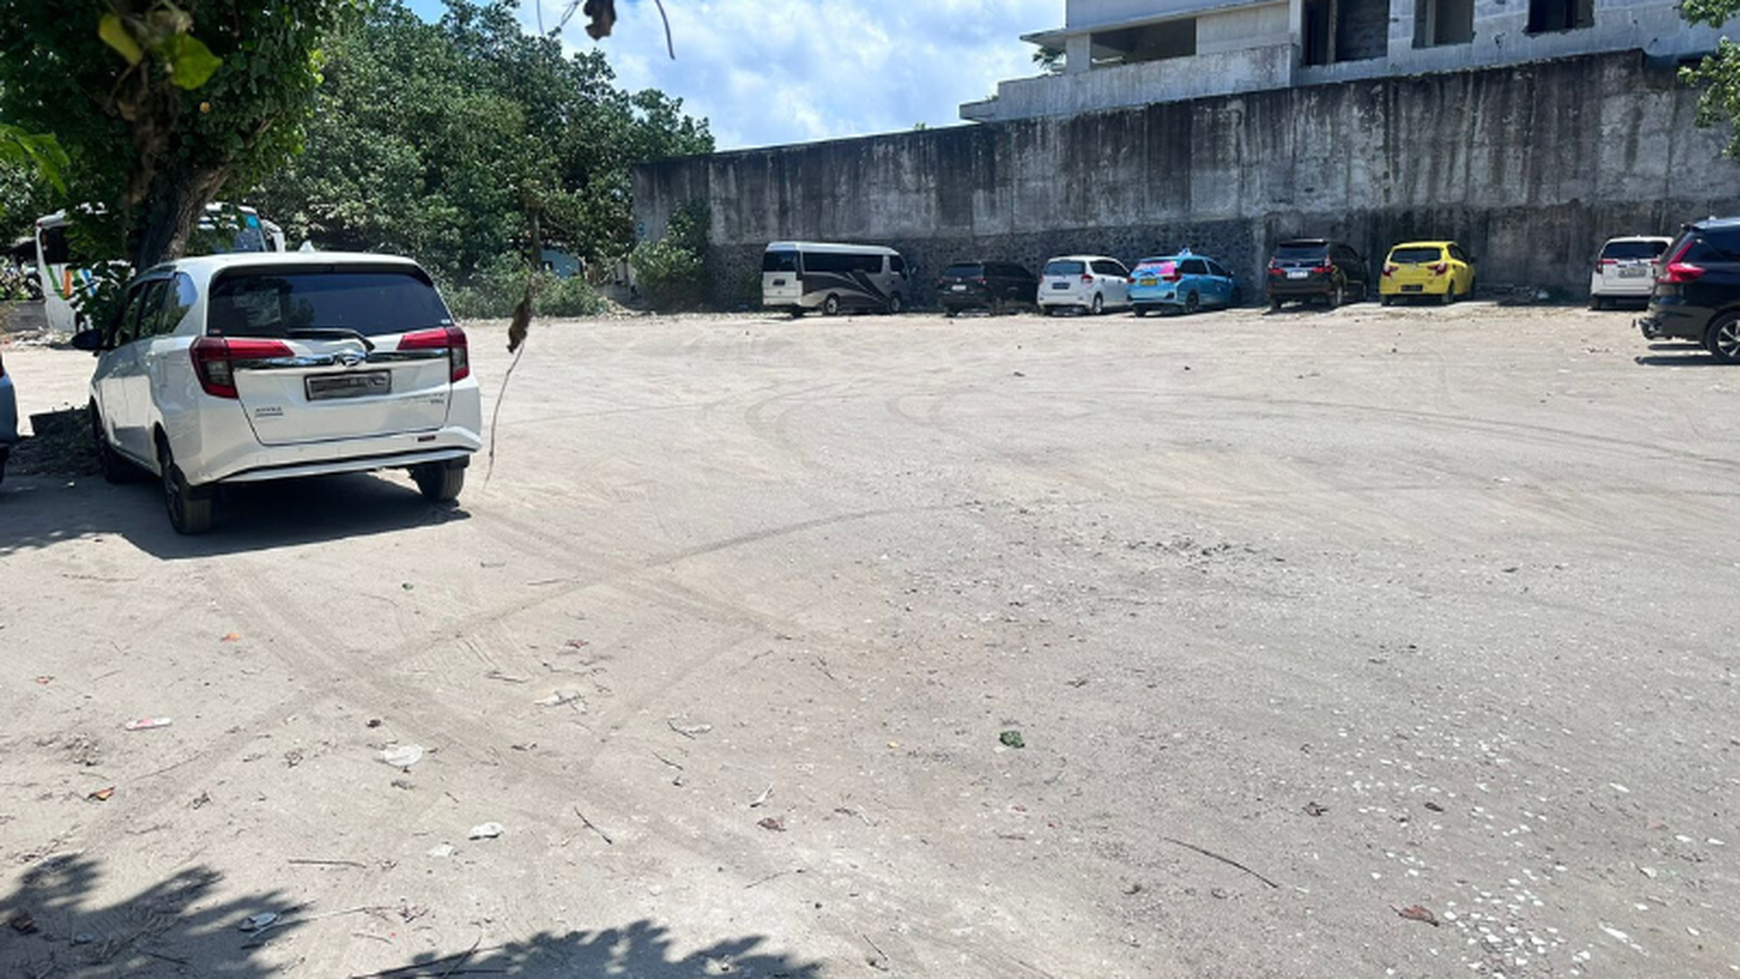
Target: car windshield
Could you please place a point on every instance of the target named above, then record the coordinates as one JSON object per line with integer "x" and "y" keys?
{"x": 781, "y": 261}
{"x": 278, "y": 302}
{"x": 1303, "y": 252}
{"x": 1633, "y": 249}
{"x": 1419, "y": 256}
{"x": 963, "y": 272}
{"x": 1065, "y": 267}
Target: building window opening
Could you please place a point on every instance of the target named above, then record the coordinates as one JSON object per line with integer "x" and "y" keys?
{"x": 1153, "y": 42}
{"x": 1440, "y": 22}
{"x": 1362, "y": 29}
{"x": 1319, "y": 32}
{"x": 1546, "y": 16}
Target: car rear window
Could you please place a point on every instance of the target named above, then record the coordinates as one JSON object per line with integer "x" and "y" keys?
{"x": 1065, "y": 267}
{"x": 962, "y": 272}
{"x": 1288, "y": 252}
{"x": 782, "y": 261}
{"x": 1417, "y": 256}
{"x": 1633, "y": 249}
{"x": 1155, "y": 266}
{"x": 273, "y": 302}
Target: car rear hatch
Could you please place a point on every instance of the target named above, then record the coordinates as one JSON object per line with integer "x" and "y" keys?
{"x": 1300, "y": 266}
{"x": 782, "y": 278}
{"x": 962, "y": 283}
{"x": 320, "y": 353}
{"x": 1417, "y": 269}
{"x": 1064, "y": 277}
{"x": 1628, "y": 266}
{"x": 1154, "y": 276}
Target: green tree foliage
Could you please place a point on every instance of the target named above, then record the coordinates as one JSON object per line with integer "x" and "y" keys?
{"x": 443, "y": 141}
{"x": 162, "y": 105}
{"x": 1719, "y": 74}
{"x": 672, "y": 271}
{"x": 1049, "y": 60}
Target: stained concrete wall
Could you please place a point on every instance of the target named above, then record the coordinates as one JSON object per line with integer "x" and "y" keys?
{"x": 1530, "y": 167}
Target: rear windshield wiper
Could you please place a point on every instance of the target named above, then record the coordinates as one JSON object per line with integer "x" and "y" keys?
{"x": 334, "y": 332}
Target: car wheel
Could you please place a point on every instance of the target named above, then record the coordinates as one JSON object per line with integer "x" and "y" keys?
{"x": 1337, "y": 297}
{"x": 831, "y": 306}
{"x": 1385, "y": 300}
{"x": 438, "y": 481}
{"x": 1140, "y": 310}
{"x": 894, "y": 304}
{"x": 189, "y": 507}
{"x": 1238, "y": 297}
{"x": 1449, "y": 295}
{"x": 1275, "y": 304}
{"x": 114, "y": 468}
{"x": 951, "y": 312}
{"x": 1596, "y": 302}
{"x": 1192, "y": 303}
{"x": 1724, "y": 339}
{"x": 1099, "y": 305}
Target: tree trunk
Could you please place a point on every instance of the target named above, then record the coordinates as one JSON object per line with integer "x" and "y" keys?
{"x": 173, "y": 207}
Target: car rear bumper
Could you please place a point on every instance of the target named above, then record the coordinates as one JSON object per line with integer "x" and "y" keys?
{"x": 8, "y": 412}
{"x": 1290, "y": 288}
{"x": 1622, "y": 288}
{"x": 1431, "y": 287}
{"x": 354, "y": 463}
{"x": 1668, "y": 323}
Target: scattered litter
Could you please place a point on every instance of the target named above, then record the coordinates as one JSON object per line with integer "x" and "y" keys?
{"x": 1226, "y": 860}
{"x": 45, "y": 679}
{"x": 147, "y": 723}
{"x": 1012, "y": 739}
{"x": 576, "y": 644}
{"x": 1415, "y": 912}
{"x": 1313, "y": 809}
{"x": 761, "y": 800}
{"x": 259, "y": 922}
{"x": 1218, "y": 893}
{"x": 893, "y": 744}
{"x": 773, "y": 823}
{"x": 402, "y": 783}
{"x": 1019, "y": 374}
{"x": 411, "y": 912}
{"x": 506, "y": 677}
{"x": 407, "y": 586}
{"x": 1435, "y": 807}
{"x": 690, "y": 731}
{"x": 441, "y": 852}
{"x": 231, "y": 637}
{"x": 22, "y": 923}
{"x": 83, "y": 938}
{"x": 1615, "y": 786}
{"x": 101, "y": 795}
{"x": 373, "y": 722}
{"x": 594, "y": 828}
{"x": 485, "y": 831}
{"x": 566, "y": 695}
{"x": 402, "y": 756}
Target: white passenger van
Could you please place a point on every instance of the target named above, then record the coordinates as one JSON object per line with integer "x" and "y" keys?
{"x": 66, "y": 280}
{"x": 803, "y": 275}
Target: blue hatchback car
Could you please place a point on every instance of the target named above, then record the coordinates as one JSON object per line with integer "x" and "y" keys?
{"x": 1184, "y": 281}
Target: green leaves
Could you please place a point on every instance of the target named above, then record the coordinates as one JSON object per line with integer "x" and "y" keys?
{"x": 163, "y": 31}
{"x": 1718, "y": 74}
{"x": 39, "y": 152}
{"x": 191, "y": 63}
{"x": 114, "y": 33}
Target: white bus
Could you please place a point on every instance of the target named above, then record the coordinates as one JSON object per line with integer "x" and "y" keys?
{"x": 66, "y": 283}
{"x": 803, "y": 275}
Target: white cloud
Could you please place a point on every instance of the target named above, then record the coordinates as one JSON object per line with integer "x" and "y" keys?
{"x": 782, "y": 71}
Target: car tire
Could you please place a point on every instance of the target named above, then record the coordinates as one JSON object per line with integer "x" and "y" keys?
{"x": 190, "y": 507}
{"x": 894, "y": 304}
{"x": 1140, "y": 311}
{"x": 1275, "y": 304}
{"x": 1099, "y": 305}
{"x": 1337, "y": 297}
{"x": 114, "y": 468}
{"x": 438, "y": 481}
{"x": 831, "y": 306}
{"x": 1238, "y": 298}
{"x": 1596, "y": 302}
{"x": 1192, "y": 303}
{"x": 1385, "y": 300}
{"x": 1449, "y": 295}
{"x": 1723, "y": 340}
{"x": 950, "y": 312}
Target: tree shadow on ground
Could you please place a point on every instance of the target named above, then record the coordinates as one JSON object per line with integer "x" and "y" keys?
{"x": 52, "y": 926}
{"x": 641, "y": 950}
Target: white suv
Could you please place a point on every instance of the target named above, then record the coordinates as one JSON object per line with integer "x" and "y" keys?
{"x": 250, "y": 367}
{"x": 1625, "y": 269}
{"x": 1092, "y": 283}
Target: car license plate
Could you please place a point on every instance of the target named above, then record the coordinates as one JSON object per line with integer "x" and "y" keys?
{"x": 958, "y": 287}
{"x": 1635, "y": 272}
{"x": 1413, "y": 288}
{"x": 329, "y": 387}
{"x": 1060, "y": 285}
{"x": 1147, "y": 282}
{"x": 778, "y": 282}
{"x": 1297, "y": 273}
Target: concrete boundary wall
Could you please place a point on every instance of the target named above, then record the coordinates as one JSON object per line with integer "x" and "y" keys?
{"x": 1530, "y": 167}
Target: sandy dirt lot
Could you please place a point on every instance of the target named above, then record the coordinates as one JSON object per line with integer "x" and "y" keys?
{"x": 1311, "y": 625}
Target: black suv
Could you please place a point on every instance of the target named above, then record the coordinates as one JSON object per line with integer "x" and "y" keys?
{"x": 986, "y": 285}
{"x": 1311, "y": 268}
{"x": 1697, "y": 290}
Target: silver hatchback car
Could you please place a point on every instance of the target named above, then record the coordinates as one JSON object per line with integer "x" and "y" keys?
{"x": 251, "y": 367}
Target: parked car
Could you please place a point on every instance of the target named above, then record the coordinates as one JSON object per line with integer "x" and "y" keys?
{"x": 8, "y": 417}
{"x": 1093, "y": 283}
{"x": 251, "y": 367}
{"x": 1184, "y": 281}
{"x": 1697, "y": 292}
{"x": 984, "y": 285}
{"x": 1304, "y": 269}
{"x": 1625, "y": 269}
{"x": 1427, "y": 268}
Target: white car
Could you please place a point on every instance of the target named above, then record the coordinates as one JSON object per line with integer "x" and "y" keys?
{"x": 1625, "y": 269}
{"x": 8, "y": 418}
{"x": 1091, "y": 283}
{"x": 250, "y": 367}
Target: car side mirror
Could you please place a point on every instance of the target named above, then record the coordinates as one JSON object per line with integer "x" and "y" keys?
{"x": 91, "y": 340}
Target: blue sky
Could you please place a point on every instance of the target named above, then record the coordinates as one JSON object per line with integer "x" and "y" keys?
{"x": 788, "y": 71}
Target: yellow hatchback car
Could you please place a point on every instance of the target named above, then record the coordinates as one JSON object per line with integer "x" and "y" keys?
{"x": 1427, "y": 268}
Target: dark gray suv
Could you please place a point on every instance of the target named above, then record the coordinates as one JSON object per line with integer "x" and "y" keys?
{"x": 1305, "y": 269}
{"x": 1697, "y": 290}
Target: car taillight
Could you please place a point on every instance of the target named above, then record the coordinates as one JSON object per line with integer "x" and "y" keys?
{"x": 1680, "y": 272}
{"x": 1390, "y": 270}
{"x": 1173, "y": 276}
{"x": 1324, "y": 269}
{"x": 1440, "y": 268}
{"x": 1275, "y": 271}
{"x": 214, "y": 360}
{"x": 1086, "y": 279}
{"x": 979, "y": 281}
{"x": 1610, "y": 261}
{"x": 451, "y": 338}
